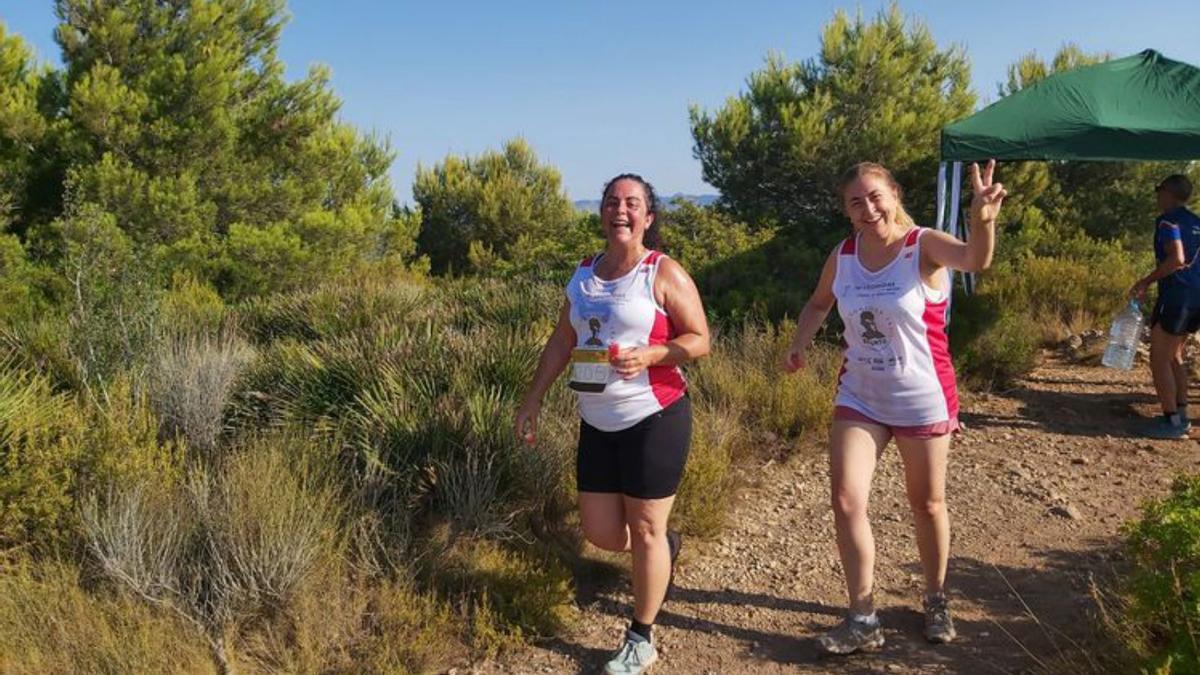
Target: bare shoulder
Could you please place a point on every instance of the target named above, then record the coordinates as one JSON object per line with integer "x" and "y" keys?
{"x": 672, "y": 283}
{"x": 672, "y": 272}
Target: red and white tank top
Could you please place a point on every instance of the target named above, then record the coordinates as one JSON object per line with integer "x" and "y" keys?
{"x": 897, "y": 367}
{"x": 623, "y": 311}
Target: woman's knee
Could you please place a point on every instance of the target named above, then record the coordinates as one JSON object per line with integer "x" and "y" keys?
{"x": 927, "y": 506}
{"x": 646, "y": 532}
{"x": 849, "y": 505}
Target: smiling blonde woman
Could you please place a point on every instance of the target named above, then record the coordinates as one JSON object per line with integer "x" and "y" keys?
{"x": 891, "y": 286}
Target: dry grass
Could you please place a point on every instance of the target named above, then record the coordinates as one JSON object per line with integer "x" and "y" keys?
{"x": 50, "y": 624}
{"x": 703, "y": 500}
{"x": 744, "y": 377}
{"x": 191, "y": 386}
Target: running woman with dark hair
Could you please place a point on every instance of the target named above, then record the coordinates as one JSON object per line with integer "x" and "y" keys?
{"x": 631, "y": 317}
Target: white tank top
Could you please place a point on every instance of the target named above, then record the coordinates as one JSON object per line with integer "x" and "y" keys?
{"x": 897, "y": 367}
{"x": 624, "y": 312}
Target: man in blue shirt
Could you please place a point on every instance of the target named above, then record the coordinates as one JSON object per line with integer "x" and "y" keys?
{"x": 1177, "y": 312}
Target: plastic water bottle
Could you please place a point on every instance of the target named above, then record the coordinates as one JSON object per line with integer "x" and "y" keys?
{"x": 1123, "y": 337}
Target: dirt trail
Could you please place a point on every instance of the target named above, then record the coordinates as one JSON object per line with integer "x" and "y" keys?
{"x": 1040, "y": 483}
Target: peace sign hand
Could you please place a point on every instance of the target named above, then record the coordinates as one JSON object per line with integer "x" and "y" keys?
{"x": 985, "y": 203}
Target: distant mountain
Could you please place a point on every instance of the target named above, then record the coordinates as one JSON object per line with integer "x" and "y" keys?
{"x": 593, "y": 205}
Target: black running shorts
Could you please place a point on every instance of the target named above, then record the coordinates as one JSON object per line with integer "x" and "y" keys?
{"x": 644, "y": 461}
{"x": 1176, "y": 319}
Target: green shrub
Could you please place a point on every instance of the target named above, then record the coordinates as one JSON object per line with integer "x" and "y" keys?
{"x": 41, "y": 346}
{"x": 737, "y": 267}
{"x": 56, "y": 447}
{"x": 192, "y": 307}
{"x": 19, "y": 299}
{"x": 113, "y": 318}
{"x": 120, "y": 443}
{"x": 335, "y": 309}
{"x": 992, "y": 344}
{"x": 40, "y": 445}
{"x": 1066, "y": 293}
{"x": 511, "y": 594}
{"x": 1163, "y": 584}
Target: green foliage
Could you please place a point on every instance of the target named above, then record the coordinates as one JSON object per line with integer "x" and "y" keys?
{"x": 731, "y": 262}
{"x": 1035, "y": 299}
{"x": 41, "y": 346}
{"x": 192, "y": 308}
{"x": 19, "y": 300}
{"x": 510, "y": 594}
{"x": 55, "y": 447}
{"x": 547, "y": 256}
{"x": 39, "y": 451}
{"x": 1163, "y": 582}
{"x": 880, "y": 90}
{"x": 113, "y": 317}
{"x": 335, "y": 309}
{"x": 493, "y": 199}
{"x": 992, "y": 343}
{"x": 23, "y": 129}
{"x": 1064, "y": 294}
{"x": 174, "y": 120}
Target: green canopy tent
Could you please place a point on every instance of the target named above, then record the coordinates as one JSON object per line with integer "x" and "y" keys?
{"x": 1141, "y": 107}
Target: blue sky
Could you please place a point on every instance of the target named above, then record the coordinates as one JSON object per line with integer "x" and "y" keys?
{"x": 601, "y": 88}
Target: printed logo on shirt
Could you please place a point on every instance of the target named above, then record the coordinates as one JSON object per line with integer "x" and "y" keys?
{"x": 869, "y": 320}
{"x": 594, "y": 325}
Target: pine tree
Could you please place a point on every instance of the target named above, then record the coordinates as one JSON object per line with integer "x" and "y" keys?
{"x": 880, "y": 90}
{"x": 497, "y": 205}
{"x": 23, "y": 132}
{"x": 180, "y": 124}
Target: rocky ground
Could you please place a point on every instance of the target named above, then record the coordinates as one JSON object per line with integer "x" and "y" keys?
{"x": 1040, "y": 482}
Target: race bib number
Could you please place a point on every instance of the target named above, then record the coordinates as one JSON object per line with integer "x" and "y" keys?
{"x": 589, "y": 369}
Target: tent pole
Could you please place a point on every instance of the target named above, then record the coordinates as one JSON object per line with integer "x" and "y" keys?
{"x": 954, "y": 206}
{"x": 941, "y": 197}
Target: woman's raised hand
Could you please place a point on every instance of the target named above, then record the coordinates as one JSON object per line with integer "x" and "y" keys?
{"x": 988, "y": 195}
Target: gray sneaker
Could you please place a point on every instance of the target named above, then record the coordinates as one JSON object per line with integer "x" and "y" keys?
{"x": 635, "y": 656}
{"x": 939, "y": 627}
{"x": 851, "y": 636}
{"x": 1163, "y": 429}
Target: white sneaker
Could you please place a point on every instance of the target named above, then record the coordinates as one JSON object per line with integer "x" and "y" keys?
{"x": 635, "y": 656}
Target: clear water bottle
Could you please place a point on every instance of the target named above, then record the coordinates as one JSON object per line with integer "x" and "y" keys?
{"x": 1123, "y": 337}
